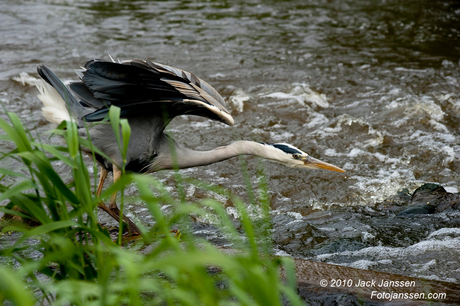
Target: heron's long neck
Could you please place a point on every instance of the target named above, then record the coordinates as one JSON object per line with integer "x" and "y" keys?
{"x": 186, "y": 158}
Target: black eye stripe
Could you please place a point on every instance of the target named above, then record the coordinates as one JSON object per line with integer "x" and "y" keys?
{"x": 287, "y": 149}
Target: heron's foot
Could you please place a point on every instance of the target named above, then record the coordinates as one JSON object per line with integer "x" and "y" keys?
{"x": 114, "y": 230}
{"x": 115, "y": 213}
{"x": 125, "y": 238}
{"x": 128, "y": 237}
{"x": 132, "y": 228}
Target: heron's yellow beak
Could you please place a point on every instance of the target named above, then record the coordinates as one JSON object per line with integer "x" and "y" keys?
{"x": 314, "y": 163}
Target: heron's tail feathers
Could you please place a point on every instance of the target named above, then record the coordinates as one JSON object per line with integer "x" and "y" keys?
{"x": 58, "y": 102}
{"x": 53, "y": 109}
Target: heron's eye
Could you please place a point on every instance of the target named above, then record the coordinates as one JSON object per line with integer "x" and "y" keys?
{"x": 296, "y": 156}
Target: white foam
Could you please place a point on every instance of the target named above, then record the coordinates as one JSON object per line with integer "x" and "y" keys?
{"x": 331, "y": 152}
{"x": 445, "y": 232}
{"x": 282, "y": 253}
{"x": 285, "y": 136}
{"x": 295, "y": 215}
{"x": 366, "y": 236}
{"x": 362, "y": 264}
{"x": 218, "y": 76}
{"x": 237, "y": 99}
{"x": 411, "y": 70}
{"x": 427, "y": 266}
{"x": 316, "y": 119}
{"x": 386, "y": 253}
{"x": 451, "y": 189}
{"x": 301, "y": 93}
{"x": 355, "y": 152}
{"x": 26, "y": 80}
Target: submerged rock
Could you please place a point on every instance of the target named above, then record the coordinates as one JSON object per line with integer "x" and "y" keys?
{"x": 431, "y": 198}
{"x": 297, "y": 236}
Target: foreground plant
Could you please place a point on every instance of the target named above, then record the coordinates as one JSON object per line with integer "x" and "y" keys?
{"x": 71, "y": 259}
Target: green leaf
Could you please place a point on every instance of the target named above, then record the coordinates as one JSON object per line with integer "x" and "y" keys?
{"x": 13, "y": 212}
{"x": 11, "y": 173}
{"x": 56, "y": 152}
{"x": 20, "y": 136}
{"x": 46, "y": 228}
{"x": 126, "y": 134}
{"x": 14, "y": 288}
{"x": 47, "y": 170}
{"x": 17, "y": 189}
{"x": 114, "y": 116}
{"x": 71, "y": 137}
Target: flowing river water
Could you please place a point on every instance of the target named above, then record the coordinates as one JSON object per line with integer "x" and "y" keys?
{"x": 370, "y": 86}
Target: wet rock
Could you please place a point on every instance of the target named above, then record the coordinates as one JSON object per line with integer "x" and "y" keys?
{"x": 430, "y": 199}
{"x": 416, "y": 210}
{"x": 402, "y": 197}
{"x": 393, "y": 203}
{"x": 297, "y": 236}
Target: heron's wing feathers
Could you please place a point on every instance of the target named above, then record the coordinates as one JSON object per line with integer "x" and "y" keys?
{"x": 140, "y": 86}
{"x": 85, "y": 96}
{"x": 193, "y": 79}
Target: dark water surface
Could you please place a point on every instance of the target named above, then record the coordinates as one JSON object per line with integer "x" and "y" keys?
{"x": 371, "y": 86}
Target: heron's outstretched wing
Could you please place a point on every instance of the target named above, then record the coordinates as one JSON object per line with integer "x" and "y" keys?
{"x": 139, "y": 86}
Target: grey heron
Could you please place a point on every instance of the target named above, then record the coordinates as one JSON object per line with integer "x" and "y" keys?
{"x": 149, "y": 96}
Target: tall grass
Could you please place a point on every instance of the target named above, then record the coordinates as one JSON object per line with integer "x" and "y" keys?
{"x": 71, "y": 259}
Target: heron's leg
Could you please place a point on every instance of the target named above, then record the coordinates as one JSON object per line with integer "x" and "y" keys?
{"x": 102, "y": 177}
{"x": 116, "y": 177}
{"x": 113, "y": 205}
{"x": 113, "y": 210}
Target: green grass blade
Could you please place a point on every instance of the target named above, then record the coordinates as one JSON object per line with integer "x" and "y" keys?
{"x": 16, "y": 132}
{"x": 46, "y": 228}
{"x": 14, "y": 289}
{"x": 71, "y": 137}
{"x": 47, "y": 170}
{"x": 126, "y": 134}
{"x": 13, "y": 212}
{"x": 17, "y": 189}
{"x": 11, "y": 173}
{"x": 56, "y": 152}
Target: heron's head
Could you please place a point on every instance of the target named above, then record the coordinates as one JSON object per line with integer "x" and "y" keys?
{"x": 293, "y": 157}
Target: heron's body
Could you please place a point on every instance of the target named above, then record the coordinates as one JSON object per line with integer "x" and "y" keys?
{"x": 147, "y": 139}
{"x": 149, "y": 95}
